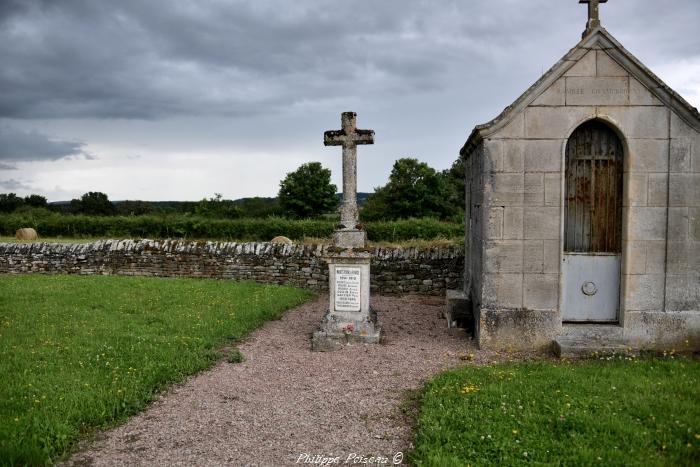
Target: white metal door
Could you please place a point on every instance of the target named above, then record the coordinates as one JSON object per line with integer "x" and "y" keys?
{"x": 591, "y": 287}
{"x": 592, "y": 224}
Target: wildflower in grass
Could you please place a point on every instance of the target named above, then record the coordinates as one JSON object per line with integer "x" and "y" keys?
{"x": 469, "y": 389}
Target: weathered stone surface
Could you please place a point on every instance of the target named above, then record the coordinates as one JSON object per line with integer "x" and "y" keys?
{"x": 494, "y": 224}
{"x": 608, "y": 67}
{"x": 644, "y": 292}
{"x": 680, "y": 129}
{"x": 533, "y": 256}
{"x": 351, "y": 238}
{"x": 683, "y": 294}
{"x": 555, "y": 95}
{"x": 542, "y": 223}
{"x": 504, "y": 256}
{"x": 543, "y": 155}
{"x": 678, "y": 224}
{"x": 636, "y": 188}
{"x": 513, "y": 329}
{"x": 513, "y": 156}
{"x": 513, "y": 223}
{"x": 552, "y": 256}
{"x": 694, "y": 223}
{"x": 570, "y": 347}
{"x": 677, "y": 261}
{"x": 349, "y": 137}
{"x": 502, "y": 290}
{"x": 514, "y": 129}
{"x": 395, "y": 271}
{"x": 658, "y": 190}
{"x": 639, "y": 95}
{"x": 644, "y": 223}
{"x": 505, "y": 190}
{"x": 586, "y": 66}
{"x": 282, "y": 240}
{"x": 681, "y": 155}
{"x": 534, "y": 189}
{"x": 493, "y": 155}
{"x": 663, "y": 330}
{"x": 647, "y": 155}
{"x": 634, "y": 260}
{"x": 597, "y": 91}
{"x": 639, "y": 122}
{"x": 656, "y": 257}
{"x": 541, "y": 291}
{"x": 554, "y": 122}
{"x": 552, "y": 189}
{"x": 695, "y": 157}
{"x": 684, "y": 190}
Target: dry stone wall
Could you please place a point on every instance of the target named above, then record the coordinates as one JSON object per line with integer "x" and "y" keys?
{"x": 428, "y": 271}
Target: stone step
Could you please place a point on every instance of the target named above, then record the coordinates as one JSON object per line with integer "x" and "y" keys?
{"x": 592, "y": 331}
{"x": 587, "y": 347}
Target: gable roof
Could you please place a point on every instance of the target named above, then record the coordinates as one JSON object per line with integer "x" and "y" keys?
{"x": 597, "y": 38}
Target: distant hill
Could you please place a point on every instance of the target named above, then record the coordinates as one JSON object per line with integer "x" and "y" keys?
{"x": 186, "y": 205}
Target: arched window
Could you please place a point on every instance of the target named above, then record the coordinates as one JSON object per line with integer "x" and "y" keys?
{"x": 593, "y": 222}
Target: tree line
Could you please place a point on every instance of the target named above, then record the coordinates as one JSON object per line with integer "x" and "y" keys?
{"x": 414, "y": 190}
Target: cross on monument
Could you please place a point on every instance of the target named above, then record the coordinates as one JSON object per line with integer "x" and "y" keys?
{"x": 349, "y": 137}
{"x": 593, "y": 13}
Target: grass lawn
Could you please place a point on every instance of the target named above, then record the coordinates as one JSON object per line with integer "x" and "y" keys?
{"x": 80, "y": 352}
{"x": 619, "y": 412}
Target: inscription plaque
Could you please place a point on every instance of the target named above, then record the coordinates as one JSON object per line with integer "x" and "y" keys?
{"x": 347, "y": 288}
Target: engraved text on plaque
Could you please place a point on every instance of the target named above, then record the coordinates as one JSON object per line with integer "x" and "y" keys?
{"x": 347, "y": 288}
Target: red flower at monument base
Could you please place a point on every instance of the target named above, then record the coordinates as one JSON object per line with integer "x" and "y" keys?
{"x": 349, "y": 329}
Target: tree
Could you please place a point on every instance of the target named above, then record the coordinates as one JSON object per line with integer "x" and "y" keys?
{"x": 308, "y": 191}
{"x": 454, "y": 180}
{"x": 218, "y": 207}
{"x": 9, "y": 202}
{"x": 134, "y": 208}
{"x": 93, "y": 203}
{"x": 414, "y": 190}
{"x": 259, "y": 207}
{"x": 36, "y": 201}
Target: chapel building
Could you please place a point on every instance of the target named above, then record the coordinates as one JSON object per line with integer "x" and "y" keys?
{"x": 583, "y": 209}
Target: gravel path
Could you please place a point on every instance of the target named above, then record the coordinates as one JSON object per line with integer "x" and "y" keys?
{"x": 285, "y": 401}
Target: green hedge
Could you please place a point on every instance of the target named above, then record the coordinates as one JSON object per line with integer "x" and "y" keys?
{"x": 59, "y": 225}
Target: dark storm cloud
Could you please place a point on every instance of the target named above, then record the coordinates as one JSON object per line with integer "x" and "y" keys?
{"x": 23, "y": 146}
{"x": 13, "y": 185}
{"x": 136, "y": 59}
{"x": 159, "y": 58}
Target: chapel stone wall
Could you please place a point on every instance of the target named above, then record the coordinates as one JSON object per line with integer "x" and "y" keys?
{"x": 523, "y": 174}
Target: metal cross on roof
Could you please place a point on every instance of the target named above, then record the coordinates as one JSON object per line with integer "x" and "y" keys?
{"x": 593, "y": 13}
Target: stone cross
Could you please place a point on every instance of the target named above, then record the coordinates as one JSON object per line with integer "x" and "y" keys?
{"x": 593, "y": 13}
{"x": 349, "y": 137}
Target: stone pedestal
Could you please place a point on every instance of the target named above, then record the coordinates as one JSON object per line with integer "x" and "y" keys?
{"x": 350, "y": 238}
{"x": 349, "y": 318}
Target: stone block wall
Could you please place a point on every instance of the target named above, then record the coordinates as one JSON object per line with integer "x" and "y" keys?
{"x": 522, "y": 206}
{"x": 428, "y": 271}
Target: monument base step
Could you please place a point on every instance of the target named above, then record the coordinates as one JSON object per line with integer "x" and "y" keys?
{"x": 335, "y": 334}
{"x": 590, "y": 341}
{"x": 350, "y": 238}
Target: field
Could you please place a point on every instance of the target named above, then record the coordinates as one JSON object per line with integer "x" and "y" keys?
{"x": 53, "y": 225}
{"x": 78, "y": 353}
{"x": 619, "y": 412}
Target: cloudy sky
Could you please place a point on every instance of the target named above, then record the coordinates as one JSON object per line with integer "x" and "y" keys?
{"x": 178, "y": 100}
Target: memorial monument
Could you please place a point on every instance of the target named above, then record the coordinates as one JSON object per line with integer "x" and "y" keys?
{"x": 349, "y": 318}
